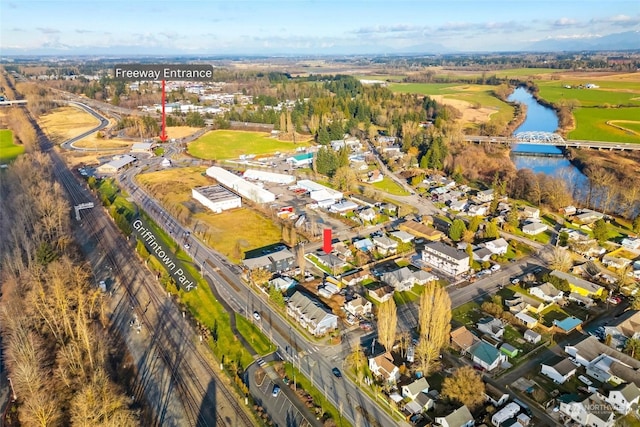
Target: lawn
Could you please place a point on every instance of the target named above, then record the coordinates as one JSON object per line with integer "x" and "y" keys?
{"x": 467, "y": 314}
{"x": 220, "y": 231}
{"x": 231, "y": 144}
{"x": 389, "y": 186}
{"x": 8, "y": 150}
{"x": 603, "y": 124}
{"x": 252, "y": 334}
{"x": 64, "y": 123}
{"x": 407, "y": 297}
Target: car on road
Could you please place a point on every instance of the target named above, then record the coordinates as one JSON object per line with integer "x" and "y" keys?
{"x": 276, "y": 390}
{"x": 515, "y": 281}
{"x": 495, "y": 267}
{"x": 256, "y": 315}
{"x": 336, "y": 372}
{"x": 187, "y": 246}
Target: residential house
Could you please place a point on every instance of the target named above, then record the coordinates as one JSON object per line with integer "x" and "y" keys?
{"x": 631, "y": 243}
{"x": 620, "y": 329}
{"x": 591, "y": 411}
{"x": 404, "y": 278}
{"x": 311, "y": 314}
{"x": 458, "y": 205}
{"x": 383, "y": 367}
{"x": 332, "y": 262}
{"x": 402, "y": 236}
{"x": 568, "y": 210}
{"x": 367, "y": 215}
{"x": 615, "y": 262}
{"x": 385, "y": 245}
{"x": 578, "y": 285}
{"x": 623, "y": 398}
{"x": 422, "y": 402}
{"x": 533, "y": 228}
{"x": 588, "y": 217}
{"x": 364, "y": 245}
{"x": 491, "y": 326}
{"x": 421, "y": 230}
{"x": 485, "y": 196}
{"x": 275, "y": 262}
{"x": 486, "y": 356}
{"x": 283, "y": 283}
{"x": 532, "y": 336}
{"x": 477, "y": 210}
{"x": 546, "y": 292}
{"x": 355, "y": 277}
{"x": 381, "y": 293}
{"x": 358, "y": 306}
{"x": 529, "y": 212}
{"x": 494, "y": 395}
{"x": 605, "y": 363}
{"x": 461, "y": 417}
{"x": 481, "y": 254}
{"x": 528, "y": 321}
{"x": 567, "y": 325}
{"x": 341, "y": 251}
{"x": 559, "y": 369}
{"x": 446, "y": 258}
{"x": 497, "y": 246}
{"x": 462, "y": 339}
{"x": 415, "y": 388}
{"x": 343, "y": 207}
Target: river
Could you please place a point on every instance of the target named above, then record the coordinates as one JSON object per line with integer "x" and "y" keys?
{"x": 550, "y": 161}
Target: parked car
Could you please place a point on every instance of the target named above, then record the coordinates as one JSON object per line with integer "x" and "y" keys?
{"x": 366, "y": 326}
{"x": 495, "y": 267}
{"x": 276, "y": 390}
{"x": 614, "y": 299}
{"x": 256, "y": 315}
{"x": 515, "y": 281}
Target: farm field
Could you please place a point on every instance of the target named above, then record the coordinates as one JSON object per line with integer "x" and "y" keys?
{"x": 220, "y": 231}
{"x": 66, "y": 122}
{"x": 603, "y": 124}
{"x": 476, "y": 102}
{"x": 8, "y": 149}
{"x": 230, "y": 144}
{"x": 608, "y": 94}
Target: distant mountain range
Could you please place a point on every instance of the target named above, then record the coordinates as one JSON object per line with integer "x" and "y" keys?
{"x": 629, "y": 40}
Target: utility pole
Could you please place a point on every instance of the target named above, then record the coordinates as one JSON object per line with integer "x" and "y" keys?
{"x": 13, "y": 391}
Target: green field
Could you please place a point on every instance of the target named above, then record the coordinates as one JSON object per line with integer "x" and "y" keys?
{"x": 231, "y": 144}
{"x": 389, "y": 186}
{"x": 608, "y": 94}
{"x": 476, "y": 95}
{"x": 252, "y": 334}
{"x": 591, "y": 124}
{"x": 8, "y": 150}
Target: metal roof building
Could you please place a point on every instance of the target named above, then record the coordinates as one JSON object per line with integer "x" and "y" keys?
{"x": 278, "y": 178}
{"x": 245, "y": 188}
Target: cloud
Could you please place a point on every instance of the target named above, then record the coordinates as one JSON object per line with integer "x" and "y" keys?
{"x": 18, "y": 30}
{"x": 564, "y": 22}
{"x": 81, "y": 31}
{"x": 619, "y": 20}
{"x": 47, "y": 30}
{"x": 385, "y": 29}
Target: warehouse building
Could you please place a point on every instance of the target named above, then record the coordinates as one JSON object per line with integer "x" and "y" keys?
{"x": 217, "y": 198}
{"x": 277, "y": 178}
{"x": 319, "y": 192}
{"x": 116, "y": 165}
{"x": 241, "y": 186}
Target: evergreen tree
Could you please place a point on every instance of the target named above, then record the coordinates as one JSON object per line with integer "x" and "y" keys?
{"x": 457, "y": 230}
{"x": 323, "y": 136}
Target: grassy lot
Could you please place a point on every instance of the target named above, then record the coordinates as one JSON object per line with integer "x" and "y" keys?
{"x": 314, "y": 259}
{"x": 173, "y": 188}
{"x": 597, "y": 124}
{"x": 467, "y": 314}
{"x": 317, "y": 395}
{"x": 8, "y": 150}
{"x": 252, "y": 334}
{"x": 230, "y": 144}
{"x": 66, "y": 122}
{"x": 609, "y": 93}
{"x": 180, "y": 131}
{"x": 406, "y": 297}
{"x": 389, "y": 186}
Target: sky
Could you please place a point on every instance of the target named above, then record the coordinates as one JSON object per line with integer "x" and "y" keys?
{"x": 309, "y": 27}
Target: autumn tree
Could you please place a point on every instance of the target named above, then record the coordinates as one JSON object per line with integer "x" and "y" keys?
{"x": 434, "y": 324}
{"x": 387, "y": 323}
{"x": 344, "y": 178}
{"x": 560, "y": 259}
{"x": 632, "y": 347}
{"x": 260, "y": 276}
{"x": 465, "y": 386}
{"x": 358, "y": 362}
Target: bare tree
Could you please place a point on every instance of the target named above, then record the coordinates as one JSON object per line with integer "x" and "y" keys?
{"x": 434, "y": 325}
{"x": 560, "y": 259}
{"x": 387, "y": 323}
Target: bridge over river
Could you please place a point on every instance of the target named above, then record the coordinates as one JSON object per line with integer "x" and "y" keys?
{"x": 552, "y": 139}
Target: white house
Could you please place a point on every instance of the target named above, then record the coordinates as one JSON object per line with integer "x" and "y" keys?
{"x": 494, "y": 395}
{"x": 385, "y": 245}
{"x": 404, "y": 278}
{"x": 477, "y": 210}
{"x": 532, "y": 336}
{"x": 491, "y": 326}
{"x": 461, "y": 417}
{"x": 358, "y": 306}
{"x": 382, "y": 366}
{"x": 623, "y": 398}
{"x": 283, "y": 283}
{"x": 547, "y": 292}
{"x": 485, "y": 196}
{"x": 592, "y": 411}
{"x": 528, "y": 321}
{"x": 486, "y": 356}
{"x": 529, "y": 212}
{"x": 367, "y": 215}
{"x": 625, "y": 326}
{"x": 415, "y": 388}
{"x": 311, "y": 314}
{"x": 445, "y": 258}
{"x": 509, "y": 411}
{"x": 402, "y": 236}
{"x": 559, "y": 369}
{"x": 534, "y": 228}
{"x": 498, "y": 246}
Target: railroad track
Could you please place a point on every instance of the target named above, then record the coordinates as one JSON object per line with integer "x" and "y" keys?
{"x": 195, "y": 397}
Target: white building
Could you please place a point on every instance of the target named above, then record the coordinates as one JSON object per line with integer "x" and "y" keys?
{"x": 245, "y": 188}
{"x": 534, "y": 228}
{"x": 217, "y": 198}
{"x": 277, "y": 178}
{"x": 509, "y": 411}
{"x": 116, "y": 165}
{"x": 319, "y": 192}
{"x": 446, "y": 258}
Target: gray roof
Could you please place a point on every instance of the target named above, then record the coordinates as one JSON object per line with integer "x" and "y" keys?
{"x": 576, "y": 281}
{"x": 311, "y": 308}
{"x": 447, "y": 250}
{"x": 417, "y": 386}
{"x": 459, "y": 417}
{"x": 629, "y": 391}
{"x": 265, "y": 260}
{"x": 562, "y": 365}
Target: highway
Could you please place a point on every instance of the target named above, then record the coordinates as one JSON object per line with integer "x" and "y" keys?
{"x": 175, "y": 377}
